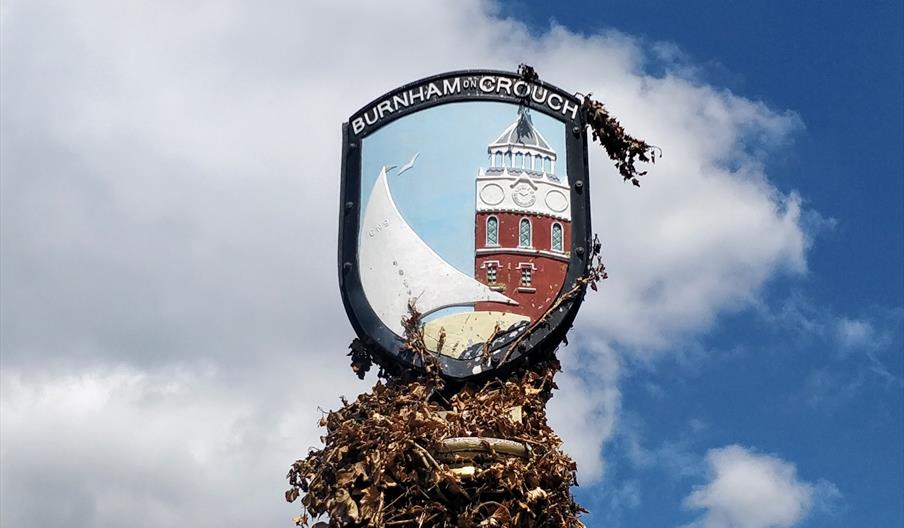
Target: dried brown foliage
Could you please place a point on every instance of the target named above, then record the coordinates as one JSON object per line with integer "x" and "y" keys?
{"x": 625, "y": 150}
{"x": 383, "y": 462}
{"x": 414, "y": 340}
{"x": 528, "y": 73}
{"x": 362, "y": 360}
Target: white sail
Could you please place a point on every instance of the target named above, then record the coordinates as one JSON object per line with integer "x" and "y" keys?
{"x": 397, "y": 265}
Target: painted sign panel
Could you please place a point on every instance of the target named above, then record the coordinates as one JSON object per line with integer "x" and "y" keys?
{"x": 464, "y": 198}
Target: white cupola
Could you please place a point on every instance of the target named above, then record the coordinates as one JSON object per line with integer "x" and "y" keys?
{"x": 521, "y": 147}
{"x": 521, "y": 175}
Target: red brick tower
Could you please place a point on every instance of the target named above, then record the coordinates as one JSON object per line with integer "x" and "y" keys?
{"x": 523, "y": 221}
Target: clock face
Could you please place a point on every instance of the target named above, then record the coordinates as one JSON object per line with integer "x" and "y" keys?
{"x": 492, "y": 194}
{"x": 524, "y": 195}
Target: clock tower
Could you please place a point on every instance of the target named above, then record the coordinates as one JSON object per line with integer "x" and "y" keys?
{"x": 523, "y": 220}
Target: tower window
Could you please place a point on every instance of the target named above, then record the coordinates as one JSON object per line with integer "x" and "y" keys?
{"x": 538, "y": 163}
{"x": 526, "y": 276}
{"x": 557, "y": 242}
{"x": 508, "y": 159}
{"x": 519, "y": 160}
{"x": 498, "y": 160}
{"x": 524, "y": 233}
{"x": 547, "y": 164}
{"x": 491, "y": 274}
{"x": 492, "y": 231}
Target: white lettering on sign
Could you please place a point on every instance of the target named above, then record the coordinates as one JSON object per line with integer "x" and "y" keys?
{"x": 504, "y": 83}
{"x": 451, "y": 86}
{"x": 538, "y": 94}
{"x": 433, "y": 91}
{"x": 375, "y": 230}
{"x": 400, "y": 100}
{"x": 419, "y": 94}
{"x": 488, "y": 84}
{"x": 385, "y": 107}
{"x": 574, "y": 109}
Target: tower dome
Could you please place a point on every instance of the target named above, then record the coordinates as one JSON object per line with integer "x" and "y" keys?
{"x": 522, "y": 133}
{"x": 521, "y": 147}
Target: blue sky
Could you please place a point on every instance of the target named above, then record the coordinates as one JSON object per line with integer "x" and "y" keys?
{"x": 170, "y": 321}
{"x": 802, "y": 394}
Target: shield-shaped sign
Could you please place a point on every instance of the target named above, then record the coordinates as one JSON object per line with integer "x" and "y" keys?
{"x": 465, "y": 200}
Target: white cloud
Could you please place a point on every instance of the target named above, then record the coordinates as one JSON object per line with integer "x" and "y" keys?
{"x": 830, "y": 390}
{"x": 584, "y": 411}
{"x": 750, "y": 490}
{"x": 124, "y": 447}
{"x": 855, "y": 333}
{"x": 168, "y": 202}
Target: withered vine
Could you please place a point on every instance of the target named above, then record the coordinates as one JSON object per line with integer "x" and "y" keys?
{"x": 622, "y": 148}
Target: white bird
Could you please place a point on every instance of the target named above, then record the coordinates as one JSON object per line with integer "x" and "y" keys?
{"x": 408, "y": 165}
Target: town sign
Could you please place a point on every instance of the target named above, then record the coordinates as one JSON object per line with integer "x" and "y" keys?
{"x": 465, "y": 200}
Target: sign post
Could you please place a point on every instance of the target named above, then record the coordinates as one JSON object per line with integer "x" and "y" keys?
{"x": 464, "y": 254}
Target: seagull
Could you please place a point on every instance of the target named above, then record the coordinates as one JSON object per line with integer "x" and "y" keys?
{"x": 408, "y": 165}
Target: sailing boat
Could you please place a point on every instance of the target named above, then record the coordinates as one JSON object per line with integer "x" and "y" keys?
{"x": 398, "y": 266}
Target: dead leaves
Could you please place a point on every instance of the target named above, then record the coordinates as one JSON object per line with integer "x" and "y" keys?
{"x": 361, "y": 358}
{"x": 536, "y": 494}
{"x": 342, "y": 508}
{"x": 528, "y": 73}
{"x": 383, "y": 462}
{"x": 414, "y": 341}
{"x": 623, "y": 149}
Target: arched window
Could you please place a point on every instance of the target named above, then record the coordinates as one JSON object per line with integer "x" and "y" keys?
{"x": 508, "y": 159}
{"x": 538, "y": 163}
{"x": 492, "y": 231}
{"x": 498, "y": 160}
{"x": 524, "y": 233}
{"x": 547, "y": 164}
{"x": 557, "y": 241}
{"x": 519, "y": 160}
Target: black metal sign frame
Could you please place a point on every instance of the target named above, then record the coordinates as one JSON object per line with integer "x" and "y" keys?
{"x": 457, "y": 86}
